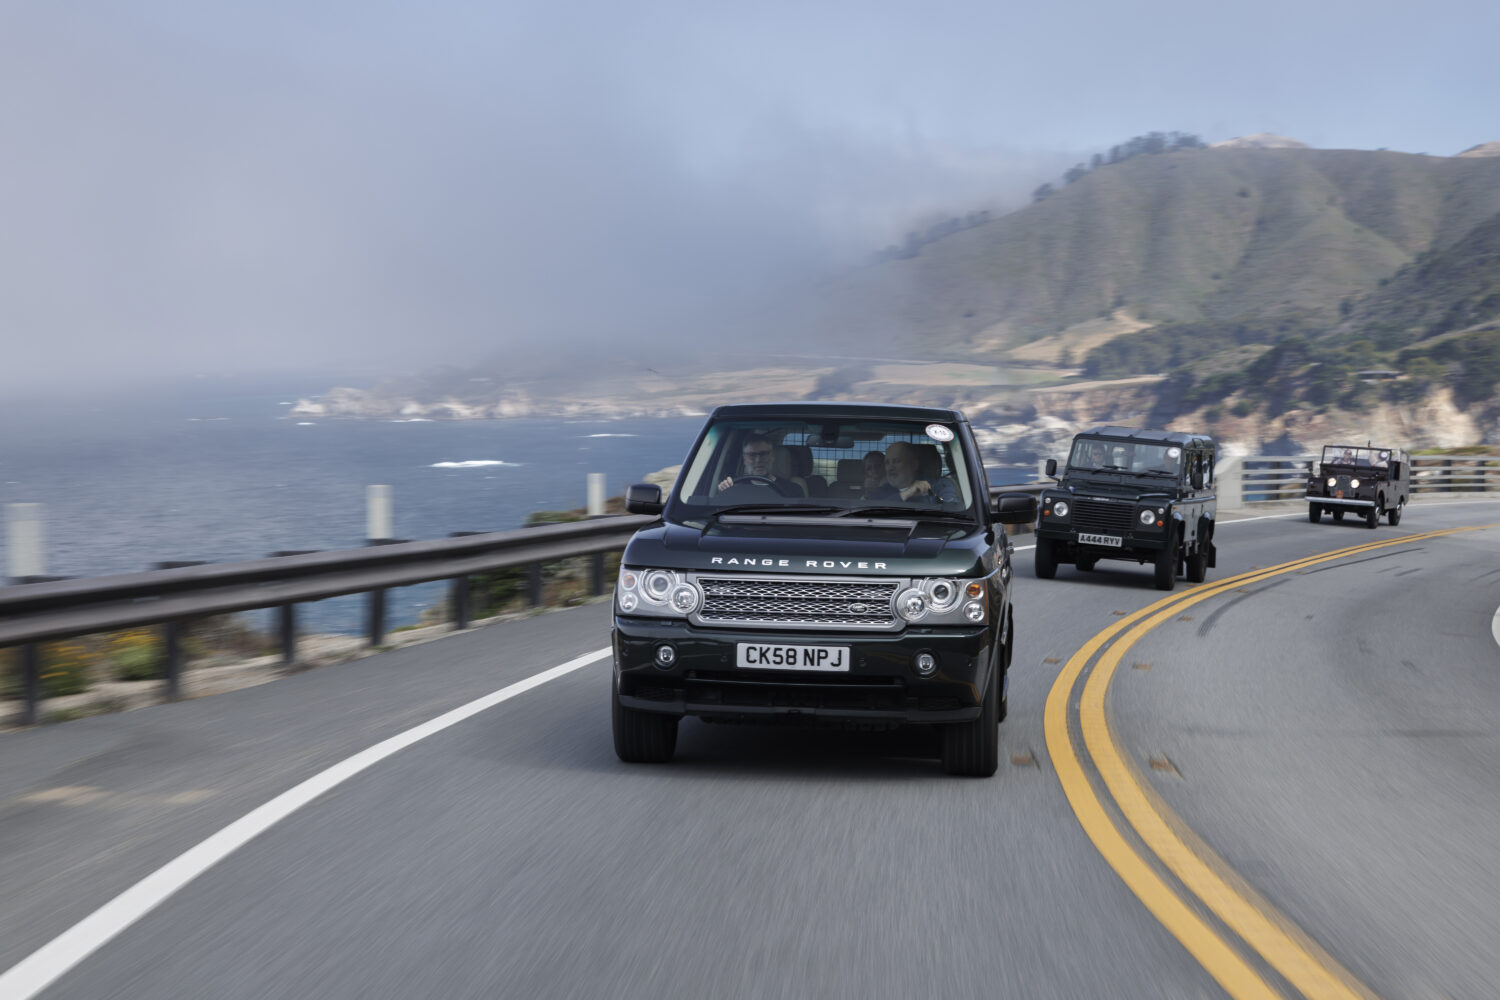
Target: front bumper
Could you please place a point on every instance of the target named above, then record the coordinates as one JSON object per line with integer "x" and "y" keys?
{"x": 1339, "y": 501}
{"x": 881, "y": 688}
{"x": 1129, "y": 543}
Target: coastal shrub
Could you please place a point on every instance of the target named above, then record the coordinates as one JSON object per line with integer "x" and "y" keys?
{"x": 137, "y": 655}
{"x": 65, "y": 668}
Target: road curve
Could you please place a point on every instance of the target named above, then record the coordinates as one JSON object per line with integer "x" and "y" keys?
{"x": 1327, "y": 735}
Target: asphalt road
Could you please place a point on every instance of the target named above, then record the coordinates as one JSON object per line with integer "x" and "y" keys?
{"x": 1330, "y": 734}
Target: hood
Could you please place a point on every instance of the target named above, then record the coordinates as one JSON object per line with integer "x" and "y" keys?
{"x": 929, "y": 549}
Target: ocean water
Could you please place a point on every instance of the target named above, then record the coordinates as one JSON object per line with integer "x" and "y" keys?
{"x": 218, "y": 472}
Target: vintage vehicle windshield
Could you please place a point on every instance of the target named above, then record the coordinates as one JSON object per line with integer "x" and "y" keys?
{"x": 1139, "y": 459}
{"x": 1378, "y": 458}
{"x": 830, "y": 467}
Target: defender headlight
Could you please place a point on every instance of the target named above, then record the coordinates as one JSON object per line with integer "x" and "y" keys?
{"x": 1332, "y": 482}
{"x": 1148, "y": 517}
{"x": 1354, "y": 484}
{"x": 660, "y": 593}
{"x": 1059, "y": 508}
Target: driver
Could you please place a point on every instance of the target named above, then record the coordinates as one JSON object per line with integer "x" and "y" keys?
{"x": 757, "y": 455}
{"x": 1097, "y": 456}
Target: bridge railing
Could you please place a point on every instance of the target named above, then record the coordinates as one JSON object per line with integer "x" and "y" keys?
{"x": 1269, "y": 478}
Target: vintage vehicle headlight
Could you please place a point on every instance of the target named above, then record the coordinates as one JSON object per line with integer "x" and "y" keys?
{"x": 660, "y": 593}
{"x": 1332, "y": 482}
{"x": 1059, "y": 508}
{"x": 1354, "y": 484}
{"x": 1148, "y": 517}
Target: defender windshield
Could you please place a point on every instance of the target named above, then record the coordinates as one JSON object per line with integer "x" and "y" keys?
{"x": 1370, "y": 458}
{"x": 830, "y": 467}
{"x": 1133, "y": 458}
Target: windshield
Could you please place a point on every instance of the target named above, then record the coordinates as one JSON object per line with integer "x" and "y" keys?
{"x": 1371, "y": 458}
{"x": 824, "y": 466}
{"x": 1137, "y": 458}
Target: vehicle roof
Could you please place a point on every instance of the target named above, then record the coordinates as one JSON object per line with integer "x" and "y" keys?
{"x": 1175, "y": 437}
{"x": 836, "y": 410}
{"x": 1366, "y": 447}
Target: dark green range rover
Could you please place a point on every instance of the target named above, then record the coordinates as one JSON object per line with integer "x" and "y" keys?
{"x": 1145, "y": 496}
{"x": 820, "y": 563}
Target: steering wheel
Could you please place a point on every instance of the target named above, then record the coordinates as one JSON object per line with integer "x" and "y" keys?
{"x": 755, "y": 481}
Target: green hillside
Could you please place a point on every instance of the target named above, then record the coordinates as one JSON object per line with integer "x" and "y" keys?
{"x": 1219, "y": 234}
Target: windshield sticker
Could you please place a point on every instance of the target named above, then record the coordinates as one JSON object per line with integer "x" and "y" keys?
{"x": 1173, "y": 452}
{"x": 939, "y": 433}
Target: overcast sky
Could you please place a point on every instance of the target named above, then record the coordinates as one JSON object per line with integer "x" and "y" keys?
{"x": 190, "y": 186}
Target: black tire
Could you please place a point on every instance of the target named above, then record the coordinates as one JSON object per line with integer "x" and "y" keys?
{"x": 1046, "y": 558}
{"x": 1197, "y": 567}
{"x": 1372, "y": 516}
{"x": 972, "y": 749}
{"x": 1086, "y": 563}
{"x": 1394, "y": 515}
{"x": 642, "y": 737}
{"x": 1314, "y": 512}
{"x": 1338, "y": 516}
{"x": 1166, "y": 566}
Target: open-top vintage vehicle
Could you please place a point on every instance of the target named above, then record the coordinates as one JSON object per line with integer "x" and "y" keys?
{"x": 1366, "y": 480}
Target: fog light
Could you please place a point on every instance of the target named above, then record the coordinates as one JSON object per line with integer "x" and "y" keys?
{"x": 925, "y": 663}
{"x": 974, "y": 611}
{"x": 665, "y": 656}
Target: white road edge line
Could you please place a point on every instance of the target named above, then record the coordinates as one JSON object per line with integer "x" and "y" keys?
{"x": 49, "y": 963}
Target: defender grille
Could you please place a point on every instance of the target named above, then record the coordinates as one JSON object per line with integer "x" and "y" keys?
{"x": 807, "y": 603}
{"x": 1100, "y": 517}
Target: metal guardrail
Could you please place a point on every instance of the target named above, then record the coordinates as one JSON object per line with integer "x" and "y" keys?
{"x": 1269, "y": 478}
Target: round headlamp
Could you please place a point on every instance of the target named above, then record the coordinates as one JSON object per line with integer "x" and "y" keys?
{"x": 657, "y": 585}
{"x": 941, "y": 594}
{"x": 685, "y": 599}
{"x": 911, "y": 605}
{"x": 1354, "y": 484}
{"x": 1148, "y": 517}
{"x": 1333, "y": 481}
{"x": 1060, "y": 508}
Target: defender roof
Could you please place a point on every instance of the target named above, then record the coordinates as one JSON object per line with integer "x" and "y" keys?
{"x": 835, "y": 411}
{"x": 1180, "y": 438}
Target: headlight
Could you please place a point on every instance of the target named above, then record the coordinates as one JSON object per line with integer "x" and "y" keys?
{"x": 1354, "y": 484}
{"x": 941, "y": 594}
{"x": 1332, "y": 482}
{"x": 911, "y": 605}
{"x": 660, "y": 593}
{"x": 1148, "y": 517}
{"x": 1059, "y": 508}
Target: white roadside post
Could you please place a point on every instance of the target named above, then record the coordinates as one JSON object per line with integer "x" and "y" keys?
{"x": 378, "y": 531}
{"x": 596, "y": 509}
{"x": 26, "y": 563}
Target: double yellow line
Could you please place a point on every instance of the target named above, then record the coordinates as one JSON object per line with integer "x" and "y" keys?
{"x": 1201, "y": 872}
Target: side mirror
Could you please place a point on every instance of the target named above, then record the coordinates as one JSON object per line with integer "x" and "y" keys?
{"x": 1197, "y": 479}
{"x": 643, "y": 498}
{"x": 1014, "y": 508}
{"x": 1052, "y": 468}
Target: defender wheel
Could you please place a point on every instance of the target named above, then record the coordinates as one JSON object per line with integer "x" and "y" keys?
{"x": 1197, "y": 567}
{"x": 642, "y": 737}
{"x": 1046, "y": 558}
{"x": 1086, "y": 563}
{"x": 1394, "y": 515}
{"x": 1314, "y": 513}
{"x": 1166, "y": 566}
{"x": 1372, "y": 517}
{"x": 1338, "y": 516}
{"x": 972, "y": 749}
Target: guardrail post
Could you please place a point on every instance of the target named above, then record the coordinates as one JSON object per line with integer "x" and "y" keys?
{"x": 534, "y": 584}
{"x": 286, "y": 627}
{"x": 172, "y": 659}
{"x": 31, "y": 682}
{"x": 376, "y": 618}
{"x": 596, "y": 573}
{"x": 460, "y": 600}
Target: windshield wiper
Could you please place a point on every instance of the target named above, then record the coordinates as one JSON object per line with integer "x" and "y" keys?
{"x": 918, "y": 513}
{"x": 773, "y": 508}
{"x": 1158, "y": 472}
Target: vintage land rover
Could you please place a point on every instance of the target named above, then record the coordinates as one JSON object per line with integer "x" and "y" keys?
{"x": 835, "y": 563}
{"x": 1146, "y": 496}
{"x": 1366, "y": 480}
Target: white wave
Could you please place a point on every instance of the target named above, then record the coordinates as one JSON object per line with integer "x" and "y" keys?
{"x": 410, "y": 420}
{"x": 611, "y": 435}
{"x": 306, "y": 423}
{"x": 472, "y": 464}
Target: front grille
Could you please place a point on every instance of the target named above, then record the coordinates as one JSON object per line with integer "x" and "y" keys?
{"x": 1102, "y": 517}
{"x": 797, "y": 603}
